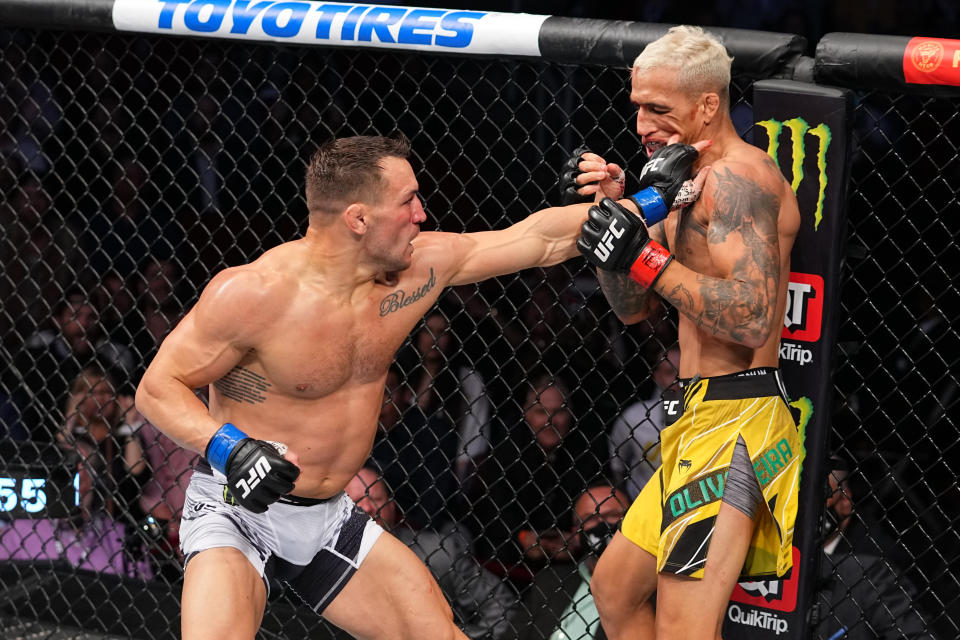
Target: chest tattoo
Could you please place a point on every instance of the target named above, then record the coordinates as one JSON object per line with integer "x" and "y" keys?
{"x": 243, "y": 385}
{"x": 399, "y": 299}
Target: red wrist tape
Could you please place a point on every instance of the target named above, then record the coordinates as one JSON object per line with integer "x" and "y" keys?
{"x": 651, "y": 262}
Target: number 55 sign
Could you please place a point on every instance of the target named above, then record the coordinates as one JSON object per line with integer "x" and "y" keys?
{"x": 28, "y": 492}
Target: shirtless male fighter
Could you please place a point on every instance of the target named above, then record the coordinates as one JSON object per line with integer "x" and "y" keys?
{"x": 715, "y": 511}
{"x": 296, "y": 347}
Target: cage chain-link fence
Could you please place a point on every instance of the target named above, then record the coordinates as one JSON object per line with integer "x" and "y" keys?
{"x": 134, "y": 168}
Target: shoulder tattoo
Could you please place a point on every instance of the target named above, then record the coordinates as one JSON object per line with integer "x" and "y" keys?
{"x": 396, "y": 300}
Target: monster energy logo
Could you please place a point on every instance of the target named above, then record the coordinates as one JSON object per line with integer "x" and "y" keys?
{"x": 798, "y": 129}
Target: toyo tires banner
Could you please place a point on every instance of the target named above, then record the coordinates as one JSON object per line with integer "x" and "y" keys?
{"x": 334, "y": 23}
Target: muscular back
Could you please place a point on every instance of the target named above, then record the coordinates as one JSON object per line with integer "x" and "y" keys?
{"x": 735, "y": 243}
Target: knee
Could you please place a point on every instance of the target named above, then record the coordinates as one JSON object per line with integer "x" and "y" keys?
{"x": 616, "y": 598}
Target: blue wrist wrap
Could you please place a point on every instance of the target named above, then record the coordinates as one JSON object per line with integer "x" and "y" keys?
{"x": 651, "y": 204}
{"x": 221, "y": 444}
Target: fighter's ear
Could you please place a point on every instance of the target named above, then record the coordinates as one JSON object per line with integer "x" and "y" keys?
{"x": 710, "y": 103}
{"x": 355, "y": 217}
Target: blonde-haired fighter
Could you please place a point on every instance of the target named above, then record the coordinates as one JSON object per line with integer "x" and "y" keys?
{"x": 724, "y": 501}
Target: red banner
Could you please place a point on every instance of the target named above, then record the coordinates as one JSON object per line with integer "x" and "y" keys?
{"x": 932, "y": 61}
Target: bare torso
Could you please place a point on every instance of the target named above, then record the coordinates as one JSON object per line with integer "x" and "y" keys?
{"x": 693, "y": 245}
{"x": 315, "y": 380}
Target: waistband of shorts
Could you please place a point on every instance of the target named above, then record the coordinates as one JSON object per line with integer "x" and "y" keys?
{"x": 203, "y": 467}
{"x": 299, "y": 501}
{"x": 758, "y": 382}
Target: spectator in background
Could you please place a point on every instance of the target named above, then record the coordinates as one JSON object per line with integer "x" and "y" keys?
{"x": 523, "y": 519}
{"x": 427, "y": 367}
{"x": 482, "y": 605}
{"x": 559, "y": 605}
{"x": 478, "y": 326}
{"x": 415, "y": 454}
{"x": 55, "y": 355}
{"x": 111, "y": 455}
{"x": 635, "y": 435}
{"x": 107, "y": 463}
{"x": 39, "y": 253}
{"x": 168, "y": 468}
{"x": 156, "y": 281}
{"x": 860, "y": 596}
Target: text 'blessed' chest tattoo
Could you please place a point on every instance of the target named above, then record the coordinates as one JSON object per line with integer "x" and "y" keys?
{"x": 243, "y": 385}
{"x": 400, "y": 298}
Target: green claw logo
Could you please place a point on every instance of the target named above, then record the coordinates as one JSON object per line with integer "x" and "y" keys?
{"x": 798, "y": 130}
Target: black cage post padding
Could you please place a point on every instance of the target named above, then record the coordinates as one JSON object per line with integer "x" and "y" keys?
{"x": 86, "y": 15}
{"x": 866, "y": 61}
{"x": 608, "y": 42}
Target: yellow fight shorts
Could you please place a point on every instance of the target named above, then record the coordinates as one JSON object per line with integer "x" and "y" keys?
{"x": 674, "y": 515}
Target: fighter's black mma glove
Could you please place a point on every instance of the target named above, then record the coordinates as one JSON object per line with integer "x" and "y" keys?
{"x": 615, "y": 239}
{"x": 662, "y": 182}
{"x": 257, "y": 474}
{"x": 568, "y": 179}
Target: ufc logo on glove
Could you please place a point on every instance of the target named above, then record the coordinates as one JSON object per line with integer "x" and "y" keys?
{"x": 258, "y": 472}
{"x": 605, "y": 246}
{"x": 653, "y": 165}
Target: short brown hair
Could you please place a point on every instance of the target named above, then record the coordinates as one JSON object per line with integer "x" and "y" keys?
{"x": 346, "y": 170}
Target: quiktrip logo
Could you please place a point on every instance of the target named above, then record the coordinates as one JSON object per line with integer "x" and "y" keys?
{"x": 799, "y": 130}
{"x": 759, "y": 619}
{"x": 334, "y": 23}
{"x": 795, "y": 353}
{"x": 803, "y": 318}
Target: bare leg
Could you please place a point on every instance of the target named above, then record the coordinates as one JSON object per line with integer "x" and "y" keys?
{"x": 679, "y": 596}
{"x": 223, "y": 596}
{"x": 622, "y": 585}
{"x": 393, "y": 595}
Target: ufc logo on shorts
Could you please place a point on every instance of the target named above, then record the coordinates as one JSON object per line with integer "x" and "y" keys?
{"x": 653, "y": 165}
{"x": 257, "y": 473}
{"x": 603, "y": 249}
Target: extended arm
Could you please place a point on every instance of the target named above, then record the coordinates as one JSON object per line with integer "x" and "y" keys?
{"x": 543, "y": 238}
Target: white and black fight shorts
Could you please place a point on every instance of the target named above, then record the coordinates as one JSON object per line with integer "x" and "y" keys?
{"x": 314, "y": 546}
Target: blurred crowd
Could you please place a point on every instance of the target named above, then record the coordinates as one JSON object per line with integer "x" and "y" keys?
{"x": 519, "y": 416}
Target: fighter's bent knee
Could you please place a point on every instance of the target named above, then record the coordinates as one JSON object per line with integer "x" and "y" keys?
{"x": 606, "y": 592}
{"x": 623, "y": 581}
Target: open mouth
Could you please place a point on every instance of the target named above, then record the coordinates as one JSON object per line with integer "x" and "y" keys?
{"x": 653, "y": 145}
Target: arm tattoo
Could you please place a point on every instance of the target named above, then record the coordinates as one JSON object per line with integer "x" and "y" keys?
{"x": 243, "y": 385}
{"x": 738, "y": 307}
{"x": 625, "y": 296}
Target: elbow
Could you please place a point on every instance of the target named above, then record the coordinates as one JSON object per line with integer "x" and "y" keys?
{"x": 142, "y": 397}
{"x": 756, "y": 338}
{"x": 632, "y": 318}
{"x": 757, "y": 332}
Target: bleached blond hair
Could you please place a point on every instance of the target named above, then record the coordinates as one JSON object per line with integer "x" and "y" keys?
{"x": 701, "y": 61}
